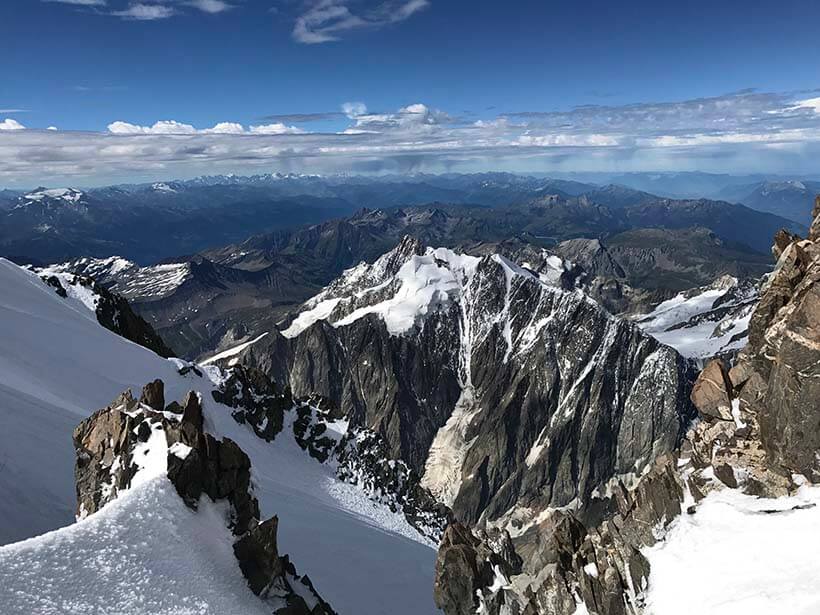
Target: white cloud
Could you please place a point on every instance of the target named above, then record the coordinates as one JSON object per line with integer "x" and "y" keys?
{"x": 149, "y": 10}
{"x": 52, "y": 128}
{"x": 809, "y": 103}
{"x": 416, "y": 117}
{"x": 10, "y": 124}
{"x": 276, "y": 129}
{"x": 354, "y": 109}
{"x": 172, "y": 127}
{"x": 210, "y": 6}
{"x": 225, "y": 128}
{"x": 737, "y": 132}
{"x": 327, "y": 20}
{"x": 163, "y": 127}
{"x": 145, "y": 12}
{"x": 80, "y": 2}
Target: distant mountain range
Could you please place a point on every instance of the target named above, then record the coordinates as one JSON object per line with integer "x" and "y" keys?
{"x": 147, "y": 223}
{"x": 790, "y": 199}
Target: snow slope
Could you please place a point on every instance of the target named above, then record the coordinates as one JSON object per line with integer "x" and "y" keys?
{"x": 704, "y": 321}
{"x": 739, "y": 555}
{"x": 57, "y": 365}
{"x": 145, "y": 553}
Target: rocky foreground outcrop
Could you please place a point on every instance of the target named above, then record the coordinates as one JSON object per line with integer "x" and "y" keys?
{"x": 118, "y": 445}
{"x": 758, "y": 431}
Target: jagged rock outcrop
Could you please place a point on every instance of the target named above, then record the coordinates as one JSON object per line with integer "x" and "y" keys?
{"x": 358, "y": 456}
{"x": 562, "y": 562}
{"x": 257, "y": 401}
{"x": 361, "y": 458}
{"x": 774, "y": 387}
{"x": 112, "y": 310}
{"x": 468, "y": 563}
{"x": 712, "y": 391}
{"x": 118, "y": 443}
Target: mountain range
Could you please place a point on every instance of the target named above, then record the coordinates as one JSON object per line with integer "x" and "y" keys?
{"x": 150, "y": 222}
{"x": 563, "y": 400}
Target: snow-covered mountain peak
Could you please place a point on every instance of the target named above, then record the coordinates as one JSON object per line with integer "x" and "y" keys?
{"x": 406, "y": 284}
{"x": 68, "y": 195}
{"x": 706, "y": 321}
{"x": 162, "y": 187}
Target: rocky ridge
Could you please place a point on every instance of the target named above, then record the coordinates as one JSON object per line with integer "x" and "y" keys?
{"x": 134, "y": 440}
{"x": 358, "y": 456}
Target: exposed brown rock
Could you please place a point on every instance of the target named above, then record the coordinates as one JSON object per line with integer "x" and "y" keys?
{"x": 153, "y": 395}
{"x": 712, "y": 392}
{"x": 197, "y": 464}
{"x": 783, "y": 357}
{"x": 814, "y": 230}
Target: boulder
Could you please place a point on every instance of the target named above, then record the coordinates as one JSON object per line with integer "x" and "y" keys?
{"x": 153, "y": 395}
{"x": 712, "y": 393}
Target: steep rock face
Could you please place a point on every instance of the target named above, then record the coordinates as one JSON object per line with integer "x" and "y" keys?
{"x": 561, "y": 564}
{"x": 358, "y": 456}
{"x": 361, "y": 457}
{"x": 507, "y": 393}
{"x": 777, "y": 377}
{"x": 132, "y": 441}
{"x": 256, "y": 400}
{"x": 467, "y": 563}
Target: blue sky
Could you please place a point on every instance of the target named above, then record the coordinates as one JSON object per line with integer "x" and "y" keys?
{"x": 717, "y": 85}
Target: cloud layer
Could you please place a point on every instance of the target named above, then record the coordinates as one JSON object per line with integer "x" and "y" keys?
{"x": 740, "y": 132}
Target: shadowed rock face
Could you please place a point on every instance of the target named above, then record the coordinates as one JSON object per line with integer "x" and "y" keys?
{"x": 112, "y": 445}
{"x": 527, "y": 395}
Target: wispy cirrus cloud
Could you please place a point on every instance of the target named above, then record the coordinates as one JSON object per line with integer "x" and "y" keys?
{"x": 80, "y": 2}
{"x": 139, "y": 11}
{"x": 328, "y": 20}
{"x": 149, "y": 10}
{"x": 739, "y": 132}
{"x": 210, "y": 6}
